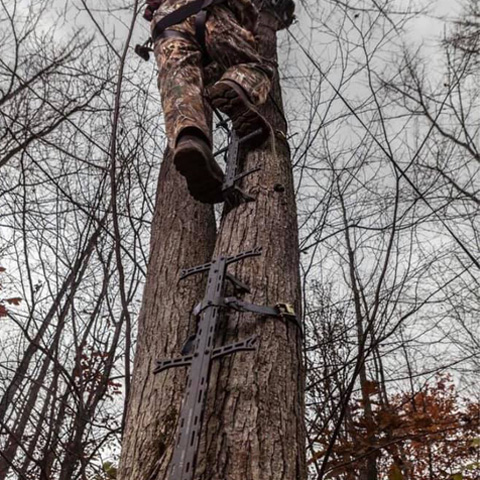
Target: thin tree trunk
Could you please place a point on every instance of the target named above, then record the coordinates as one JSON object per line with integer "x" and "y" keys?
{"x": 24, "y": 416}
{"x": 75, "y": 454}
{"x": 49, "y": 453}
{"x": 71, "y": 283}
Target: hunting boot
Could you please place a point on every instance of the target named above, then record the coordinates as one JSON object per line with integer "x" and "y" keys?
{"x": 231, "y": 99}
{"x": 194, "y": 160}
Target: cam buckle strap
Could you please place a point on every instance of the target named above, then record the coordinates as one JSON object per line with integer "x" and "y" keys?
{"x": 280, "y": 310}
{"x": 286, "y": 310}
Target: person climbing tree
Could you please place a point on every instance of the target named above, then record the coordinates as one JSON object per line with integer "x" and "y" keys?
{"x": 217, "y": 387}
{"x": 206, "y": 54}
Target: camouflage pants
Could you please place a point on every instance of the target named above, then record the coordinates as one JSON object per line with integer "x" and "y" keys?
{"x": 183, "y": 79}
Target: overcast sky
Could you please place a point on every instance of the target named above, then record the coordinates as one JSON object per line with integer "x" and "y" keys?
{"x": 431, "y": 27}
{"x": 427, "y": 28}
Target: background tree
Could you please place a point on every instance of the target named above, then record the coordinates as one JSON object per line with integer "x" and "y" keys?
{"x": 66, "y": 348}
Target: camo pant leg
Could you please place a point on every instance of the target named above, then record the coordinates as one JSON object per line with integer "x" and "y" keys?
{"x": 181, "y": 78}
{"x": 181, "y": 84}
{"x": 234, "y": 48}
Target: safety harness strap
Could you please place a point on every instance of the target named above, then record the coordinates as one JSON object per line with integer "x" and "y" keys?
{"x": 200, "y": 29}
{"x": 181, "y": 14}
{"x": 174, "y": 34}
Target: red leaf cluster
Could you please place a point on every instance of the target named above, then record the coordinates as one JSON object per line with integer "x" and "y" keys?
{"x": 89, "y": 372}
{"x": 411, "y": 436}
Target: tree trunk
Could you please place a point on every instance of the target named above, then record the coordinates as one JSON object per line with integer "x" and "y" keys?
{"x": 183, "y": 235}
{"x": 254, "y": 421}
{"x": 255, "y": 416}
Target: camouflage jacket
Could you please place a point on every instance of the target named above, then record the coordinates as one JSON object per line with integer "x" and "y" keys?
{"x": 244, "y": 10}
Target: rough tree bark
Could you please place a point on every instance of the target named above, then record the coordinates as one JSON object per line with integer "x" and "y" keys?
{"x": 254, "y": 422}
{"x": 255, "y": 426}
{"x": 183, "y": 235}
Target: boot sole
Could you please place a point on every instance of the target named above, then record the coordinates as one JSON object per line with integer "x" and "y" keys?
{"x": 231, "y": 100}
{"x": 204, "y": 177}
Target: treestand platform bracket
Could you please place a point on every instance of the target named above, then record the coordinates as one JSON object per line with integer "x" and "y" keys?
{"x": 199, "y": 360}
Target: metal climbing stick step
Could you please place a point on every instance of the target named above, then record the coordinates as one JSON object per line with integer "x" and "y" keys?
{"x": 232, "y": 193}
{"x": 203, "y": 352}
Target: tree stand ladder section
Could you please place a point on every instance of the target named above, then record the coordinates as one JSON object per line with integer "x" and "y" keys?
{"x": 210, "y": 312}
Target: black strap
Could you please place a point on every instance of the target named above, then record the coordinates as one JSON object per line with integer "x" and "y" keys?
{"x": 174, "y": 34}
{"x": 181, "y": 14}
{"x": 280, "y": 310}
{"x": 200, "y": 27}
{"x": 200, "y": 34}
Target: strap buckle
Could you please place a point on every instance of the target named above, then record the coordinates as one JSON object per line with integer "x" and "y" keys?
{"x": 286, "y": 310}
